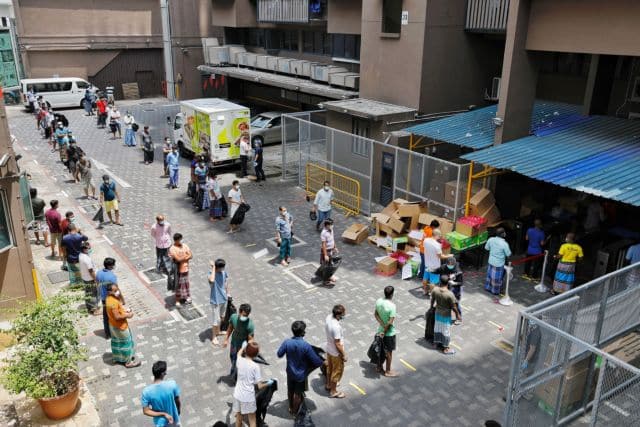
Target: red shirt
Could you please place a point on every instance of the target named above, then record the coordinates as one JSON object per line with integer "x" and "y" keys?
{"x": 102, "y": 106}
{"x": 64, "y": 226}
{"x": 53, "y": 220}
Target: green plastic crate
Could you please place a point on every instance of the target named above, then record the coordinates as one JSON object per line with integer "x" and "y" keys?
{"x": 460, "y": 241}
{"x": 481, "y": 238}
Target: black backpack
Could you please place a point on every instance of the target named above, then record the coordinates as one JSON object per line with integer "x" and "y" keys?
{"x": 135, "y": 127}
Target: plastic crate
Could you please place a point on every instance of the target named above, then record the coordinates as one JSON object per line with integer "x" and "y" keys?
{"x": 460, "y": 241}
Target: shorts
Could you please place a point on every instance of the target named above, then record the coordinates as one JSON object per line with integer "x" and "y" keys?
{"x": 217, "y": 312}
{"x": 111, "y": 205}
{"x": 335, "y": 368}
{"x": 244, "y": 407}
{"x": 389, "y": 343}
{"x": 430, "y": 277}
{"x": 56, "y": 239}
{"x": 296, "y": 387}
{"x": 40, "y": 226}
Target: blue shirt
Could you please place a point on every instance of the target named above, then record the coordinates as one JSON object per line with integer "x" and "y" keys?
{"x": 535, "y": 236}
{"x": 498, "y": 251}
{"x": 173, "y": 160}
{"x": 283, "y": 226}
{"x": 61, "y": 134}
{"x": 161, "y": 398}
{"x": 218, "y": 291}
{"x": 72, "y": 243}
{"x": 301, "y": 357}
{"x": 109, "y": 191}
{"x": 633, "y": 254}
{"x": 105, "y": 277}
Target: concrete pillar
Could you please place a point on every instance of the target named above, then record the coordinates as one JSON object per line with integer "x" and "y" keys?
{"x": 599, "y": 84}
{"x": 519, "y": 77}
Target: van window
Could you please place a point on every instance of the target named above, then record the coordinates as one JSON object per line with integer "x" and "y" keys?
{"x": 82, "y": 84}
{"x": 52, "y": 87}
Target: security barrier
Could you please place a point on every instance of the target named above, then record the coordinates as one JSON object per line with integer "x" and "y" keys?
{"x": 346, "y": 190}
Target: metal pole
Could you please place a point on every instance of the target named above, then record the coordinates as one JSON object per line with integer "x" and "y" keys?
{"x": 510, "y": 409}
{"x": 371, "y": 155}
{"x": 395, "y": 171}
{"x": 596, "y": 399}
{"x": 166, "y": 49}
{"x": 455, "y": 204}
{"x": 469, "y": 183}
{"x": 541, "y": 287}
{"x": 506, "y": 300}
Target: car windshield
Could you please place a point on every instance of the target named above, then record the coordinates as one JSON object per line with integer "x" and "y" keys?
{"x": 259, "y": 122}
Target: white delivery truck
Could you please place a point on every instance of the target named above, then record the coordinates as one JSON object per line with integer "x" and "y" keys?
{"x": 212, "y": 127}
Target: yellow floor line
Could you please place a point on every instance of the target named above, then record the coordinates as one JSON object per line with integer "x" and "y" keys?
{"x": 407, "y": 365}
{"x": 362, "y": 392}
{"x": 500, "y": 327}
{"x": 249, "y": 245}
{"x": 466, "y": 308}
{"x": 311, "y": 290}
{"x": 455, "y": 346}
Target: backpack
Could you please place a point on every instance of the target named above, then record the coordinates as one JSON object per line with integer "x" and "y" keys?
{"x": 135, "y": 127}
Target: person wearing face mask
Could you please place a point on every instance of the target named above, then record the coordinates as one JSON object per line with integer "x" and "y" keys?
{"x": 215, "y": 197}
{"x": 109, "y": 195}
{"x": 245, "y": 150}
{"x": 88, "y": 274}
{"x": 445, "y": 302}
{"x": 236, "y": 199}
{"x": 567, "y": 256}
{"x": 173, "y": 165}
{"x": 284, "y": 222}
{"x": 105, "y": 278}
{"x": 161, "y": 232}
{"x": 72, "y": 244}
{"x": 166, "y": 150}
{"x": 240, "y": 329}
{"x": 322, "y": 204}
{"x": 328, "y": 249}
{"x": 336, "y": 356}
{"x": 499, "y": 251}
{"x": 147, "y": 146}
{"x": 202, "y": 200}
{"x": 181, "y": 255}
{"x": 451, "y": 268}
{"x": 122, "y": 346}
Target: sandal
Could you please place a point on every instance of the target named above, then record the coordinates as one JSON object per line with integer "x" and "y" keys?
{"x": 449, "y": 352}
{"x": 390, "y": 374}
{"x": 339, "y": 395}
{"x": 132, "y": 364}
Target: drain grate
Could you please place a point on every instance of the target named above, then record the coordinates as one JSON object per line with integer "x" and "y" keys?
{"x": 153, "y": 276}
{"x": 305, "y": 272}
{"x": 58, "y": 276}
{"x": 189, "y": 312}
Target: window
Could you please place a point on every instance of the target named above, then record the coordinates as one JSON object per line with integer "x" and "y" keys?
{"x": 345, "y": 46}
{"x": 283, "y": 40}
{"x": 6, "y": 241}
{"x": 82, "y": 85}
{"x": 391, "y": 16}
{"x": 276, "y": 122}
{"x": 317, "y": 42}
{"x": 360, "y": 146}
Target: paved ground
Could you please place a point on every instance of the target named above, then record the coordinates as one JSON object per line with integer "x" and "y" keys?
{"x": 432, "y": 389}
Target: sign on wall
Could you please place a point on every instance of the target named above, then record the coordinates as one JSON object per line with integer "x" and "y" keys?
{"x": 404, "y": 19}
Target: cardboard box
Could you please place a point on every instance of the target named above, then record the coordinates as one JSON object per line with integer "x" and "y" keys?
{"x": 492, "y": 215}
{"x": 387, "y": 265}
{"x": 399, "y": 243}
{"x": 446, "y": 226}
{"x": 626, "y": 348}
{"x": 385, "y": 230}
{"x": 356, "y": 233}
{"x": 436, "y": 191}
{"x": 408, "y": 210}
{"x": 468, "y": 230}
{"x": 450, "y": 192}
{"x": 415, "y": 238}
{"x": 481, "y": 201}
{"x": 396, "y": 225}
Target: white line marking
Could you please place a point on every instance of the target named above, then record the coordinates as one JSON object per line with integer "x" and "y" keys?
{"x": 82, "y": 209}
{"x": 65, "y": 194}
{"x": 260, "y": 253}
{"x": 116, "y": 178}
{"x": 35, "y": 161}
{"x": 108, "y": 241}
{"x": 143, "y": 277}
{"x": 175, "y": 316}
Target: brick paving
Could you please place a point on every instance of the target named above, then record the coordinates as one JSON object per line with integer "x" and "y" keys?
{"x": 432, "y": 389}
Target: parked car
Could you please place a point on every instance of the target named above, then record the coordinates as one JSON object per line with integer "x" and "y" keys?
{"x": 266, "y": 128}
{"x": 58, "y": 91}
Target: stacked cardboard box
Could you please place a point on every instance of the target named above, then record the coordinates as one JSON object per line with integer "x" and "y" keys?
{"x": 356, "y": 233}
{"x": 451, "y": 189}
{"x": 483, "y": 204}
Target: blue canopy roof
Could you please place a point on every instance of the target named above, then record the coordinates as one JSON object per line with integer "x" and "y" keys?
{"x": 475, "y": 128}
{"x": 597, "y": 155}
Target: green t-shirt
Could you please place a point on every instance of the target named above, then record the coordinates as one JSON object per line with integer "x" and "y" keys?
{"x": 241, "y": 330}
{"x": 386, "y": 310}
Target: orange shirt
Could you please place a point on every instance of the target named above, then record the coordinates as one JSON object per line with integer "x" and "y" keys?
{"x": 114, "y": 303}
{"x": 181, "y": 255}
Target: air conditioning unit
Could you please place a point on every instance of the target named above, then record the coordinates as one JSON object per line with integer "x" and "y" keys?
{"x": 234, "y": 51}
{"x": 272, "y": 63}
{"x": 217, "y": 55}
{"x": 251, "y": 59}
{"x": 348, "y": 80}
{"x": 321, "y": 72}
{"x": 261, "y": 62}
{"x": 284, "y": 65}
{"x": 297, "y": 67}
{"x": 352, "y": 81}
{"x": 494, "y": 95}
{"x": 209, "y": 41}
{"x": 307, "y": 68}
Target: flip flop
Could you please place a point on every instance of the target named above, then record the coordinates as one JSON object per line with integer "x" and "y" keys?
{"x": 390, "y": 374}
{"x": 132, "y": 364}
{"x": 339, "y": 395}
{"x": 449, "y": 352}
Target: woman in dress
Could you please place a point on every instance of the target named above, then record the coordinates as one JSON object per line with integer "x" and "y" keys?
{"x": 568, "y": 254}
{"x": 215, "y": 197}
{"x": 122, "y": 346}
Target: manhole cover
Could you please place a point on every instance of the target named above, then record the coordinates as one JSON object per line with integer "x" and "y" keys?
{"x": 153, "y": 275}
{"x": 189, "y": 312}
{"x": 296, "y": 242}
{"x": 305, "y": 272}
{"x": 58, "y": 276}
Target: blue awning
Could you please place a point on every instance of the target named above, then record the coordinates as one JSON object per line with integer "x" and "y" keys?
{"x": 599, "y": 155}
{"x": 475, "y": 129}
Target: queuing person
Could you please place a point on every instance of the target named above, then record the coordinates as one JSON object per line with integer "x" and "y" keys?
{"x": 536, "y": 240}
{"x": 499, "y": 251}
{"x": 110, "y": 197}
{"x": 161, "y": 232}
{"x": 147, "y": 146}
{"x": 161, "y": 400}
{"x": 87, "y": 101}
{"x": 631, "y": 257}
{"x": 284, "y": 222}
{"x": 166, "y": 150}
{"x": 88, "y": 274}
{"x": 567, "y": 256}
{"x": 236, "y": 199}
{"x": 385, "y": 315}
{"x": 249, "y": 379}
{"x": 219, "y": 284}
{"x": 72, "y": 246}
{"x": 60, "y": 138}
{"x": 114, "y": 123}
{"x": 322, "y": 204}
{"x": 40, "y": 223}
{"x": 69, "y": 217}
{"x": 31, "y": 99}
{"x": 245, "y": 151}
{"x": 427, "y": 232}
{"x": 433, "y": 258}
{"x": 129, "y": 132}
{"x": 336, "y": 355}
{"x": 445, "y": 302}
{"x": 202, "y": 195}
{"x": 451, "y": 269}
{"x": 257, "y": 161}
{"x": 240, "y": 329}
{"x": 216, "y": 199}
{"x": 86, "y": 178}
{"x": 74, "y": 153}
{"x": 122, "y": 346}
{"x": 181, "y": 255}
{"x": 105, "y": 278}
{"x": 328, "y": 248}
{"x": 173, "y": 165}
{"x": 110, "y": 90}
{"x": 53, "y": 218}
{"x": 101, "y": 107}
{"x": 301, "y": 360}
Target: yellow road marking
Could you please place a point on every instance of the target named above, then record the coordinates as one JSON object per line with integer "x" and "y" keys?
{"x": 407, "y": 365}
{"x": 249, "y": 245}
{"x": 311, "y": 290}
{"x": 455, "y": 345}
{"x": 362, "y": 392}
{"x": 496, "y": 325}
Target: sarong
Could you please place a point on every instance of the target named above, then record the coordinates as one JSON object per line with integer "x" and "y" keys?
{"x": 493, "y": 282}
{"x": 75, "y": 277}
{"x": 215, "y": 208}
{"x": 206, "y": 202}
{"x": 442, "y": 330}
{"x": 122, "y": 348}
{"x": 182, "y": 291}
{"x": 91, "y": 300}
{"x": 565, "y": 276}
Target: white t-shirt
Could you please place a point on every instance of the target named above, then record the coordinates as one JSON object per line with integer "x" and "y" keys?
{"x": 334, "y": 332}
{"x": 235, "y": 195}
{"x": 86, "y": 264}
{"x": 327, "y": 237}
{"x": 245, "y": 149}
{"x": 248, "y": 376}
{"x": 323, "y": 200}
{"x": 432, "y": 252}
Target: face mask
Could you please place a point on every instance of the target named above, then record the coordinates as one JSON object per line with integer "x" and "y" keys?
{"x": 243, "y": 318}
{"x": 451, "y": 267}
{"x": 116, "y": 293}
{"x": 72, "y": 220}
{"x": 326, "y": 188}
{"x": 160, "y": 222}
{"x": 90, "y": 251}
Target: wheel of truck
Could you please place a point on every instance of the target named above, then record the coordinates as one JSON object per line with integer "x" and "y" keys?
{"x": 257, "y": 139}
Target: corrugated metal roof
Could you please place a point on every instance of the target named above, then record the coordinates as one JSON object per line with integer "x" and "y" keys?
{"x": 598, "y": 156}
{"x": 475, "y": 129}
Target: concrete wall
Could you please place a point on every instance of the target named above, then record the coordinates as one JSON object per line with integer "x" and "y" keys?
{"x": 587, "y": 26}
{"x": 72, "y": 63}
{"x": 234, "y": 13}
{"x": 344, "y": 16}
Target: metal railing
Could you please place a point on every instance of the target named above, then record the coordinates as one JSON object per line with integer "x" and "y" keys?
{"x": 384, "y": 172}
{"x": 346, "y": 190}
{"x": 567, "y": 366}
{"x": 487, "y": 16}
{"x": 283, "y": 11}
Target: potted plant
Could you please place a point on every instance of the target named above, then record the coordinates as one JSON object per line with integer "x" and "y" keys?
{"x": 44, "y": 361}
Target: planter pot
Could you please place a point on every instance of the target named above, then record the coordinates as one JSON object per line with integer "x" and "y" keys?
{"x": 59, "y": 407}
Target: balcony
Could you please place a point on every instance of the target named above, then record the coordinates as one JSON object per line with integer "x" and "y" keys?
{"x": 487, "y": 16}
{"x": 291, "y": 11}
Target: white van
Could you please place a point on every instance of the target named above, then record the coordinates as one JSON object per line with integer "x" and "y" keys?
{"x": 59, "y": 91}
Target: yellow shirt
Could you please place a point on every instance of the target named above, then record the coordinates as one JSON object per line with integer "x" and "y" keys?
{"x": 569, "y": 252}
